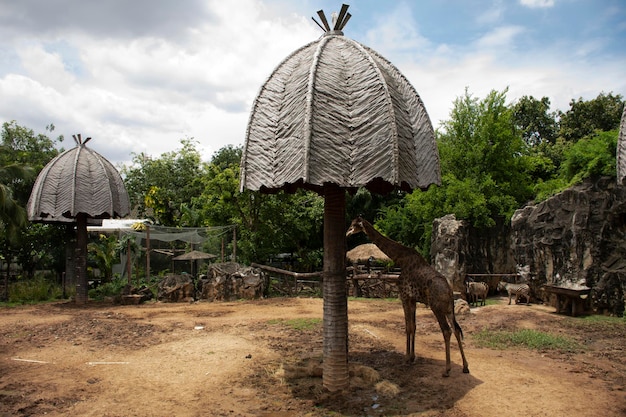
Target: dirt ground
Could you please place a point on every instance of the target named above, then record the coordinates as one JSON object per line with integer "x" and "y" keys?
{"x": 249, "y": 359}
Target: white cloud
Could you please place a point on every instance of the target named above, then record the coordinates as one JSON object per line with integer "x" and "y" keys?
{"x": 536, "y": 4}
{"x": 396, "y": 31}
{"x": 44, "y": 67}
{"x": 502, "y": 36}
{"x": 141, "y": 82}
{"x": 491, "y": 15}
{"x": 146, "y": 93}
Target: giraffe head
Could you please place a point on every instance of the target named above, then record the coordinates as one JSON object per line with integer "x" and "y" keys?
{"x": 355, "y": 227}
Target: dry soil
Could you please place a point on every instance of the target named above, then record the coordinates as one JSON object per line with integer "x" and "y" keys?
{"x": 253, "y": 358}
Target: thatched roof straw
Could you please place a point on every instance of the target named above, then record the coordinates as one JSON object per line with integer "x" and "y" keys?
{"x": 78, "y": 181}
{"x": 366, "y": 251}
{"x": 621, "y": 150}
{"x": 194, "y": 255}
{"x": 336, "y": 111}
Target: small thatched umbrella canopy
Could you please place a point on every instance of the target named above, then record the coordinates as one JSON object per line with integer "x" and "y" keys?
{"x": 621, "y": 150}
{"x": 193, "y": 257}
{"x": 336, "y": 115}
{"x": 365, "y": 252}
{"x": 76, "y": 185}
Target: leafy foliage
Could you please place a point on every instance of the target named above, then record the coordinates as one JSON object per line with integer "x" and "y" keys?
{"x": 22, "y": 155}
{"x": 111, "y": 288}
{"x": 34, "y": 290}
{"x": 495, "y": 156}
{"x": 159, "y": 187}
{"x": 535, "y": 121}
{"x": 105, "y": 253}
{"x": 602, "y": 113}
{"x": 591, "y": 156}
{"x": 486, "y": 172}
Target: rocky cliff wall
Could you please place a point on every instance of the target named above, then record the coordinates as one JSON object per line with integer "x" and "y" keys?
{"x": 458, "y": 249}
{"x": 577, "y": 238}
{"x": 574, "y": 239}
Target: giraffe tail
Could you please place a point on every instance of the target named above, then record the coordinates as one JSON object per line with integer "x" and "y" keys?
{"x": 457, "y": 326}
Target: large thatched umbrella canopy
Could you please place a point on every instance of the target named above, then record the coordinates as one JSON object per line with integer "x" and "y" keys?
{"x": 336, "y": 115}
{"x": 621, "y": 150}
{"x": 76, "y": 185}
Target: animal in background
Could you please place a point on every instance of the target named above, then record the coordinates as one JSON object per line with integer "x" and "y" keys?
{"x": 476, "y": 291}
{"x": 519, "y": 290}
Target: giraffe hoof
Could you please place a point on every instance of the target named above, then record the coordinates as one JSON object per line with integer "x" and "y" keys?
{"x": 446, "y": 374}
{"x": 466, "y": 370}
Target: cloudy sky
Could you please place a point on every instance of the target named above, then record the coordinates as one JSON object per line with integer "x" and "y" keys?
{"x": 138, "y": 76}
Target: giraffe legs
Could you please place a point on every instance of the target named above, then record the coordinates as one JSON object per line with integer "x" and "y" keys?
{"x": 409, "y": 307}
{"x": 444, "y": 323}
{"x": 445, "y": 330}
{"x": 458, "y": 333}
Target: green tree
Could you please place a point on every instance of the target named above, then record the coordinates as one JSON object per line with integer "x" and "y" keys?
{"x": 22, "y": 155}
{"x": 12, "y": 212}
{"x": 486, "y": 172}
{"x": 22, "y": 147}
{"x": 592, "y": 156}
{"x": 42, "y": 247}
{"x": 105, "y": 252}
{"x": 160, "y": 188}
{"x": 583, "y": 118}
{"x": 266, "y": 224}
{"x": 482, "y": 149}
{"x": 535, "y": 121}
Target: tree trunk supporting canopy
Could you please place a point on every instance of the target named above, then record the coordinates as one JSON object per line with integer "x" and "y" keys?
{"x": 336, "y": 375}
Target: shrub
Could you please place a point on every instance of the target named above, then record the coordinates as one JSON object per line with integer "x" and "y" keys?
{"x": 109, "y": 289}
{"x": 34, "y": 290}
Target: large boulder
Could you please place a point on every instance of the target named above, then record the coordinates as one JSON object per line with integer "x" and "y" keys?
{"x": 230, "y": 281}
{"x": 135, "y": 295}
{"x": 176, "y": 288}
{"x": 458, "y": 248}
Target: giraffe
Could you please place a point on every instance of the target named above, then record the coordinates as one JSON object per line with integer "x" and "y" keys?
{"x": 418, "y": 281}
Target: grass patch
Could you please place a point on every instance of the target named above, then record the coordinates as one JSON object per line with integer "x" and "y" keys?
{"x": 596, "y": 322}
{"x": 525, "y": 338}
{"x": 601, "y": 319}
{"x": 35, "y": 290}
{"x": 298, "y": 324}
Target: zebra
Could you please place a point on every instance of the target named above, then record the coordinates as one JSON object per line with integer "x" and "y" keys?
{"x": 517, "y": 289}
{"x": 476, "y": 290}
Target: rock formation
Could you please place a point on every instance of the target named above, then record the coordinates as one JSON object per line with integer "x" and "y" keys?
{"x": 230, "y": 281}
{"x": 176, "y": 288}
{"x": 575, "y": 239}
{"x": 457, "y": 249}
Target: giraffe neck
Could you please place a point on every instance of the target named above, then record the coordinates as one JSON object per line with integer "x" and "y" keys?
{"x": 391, "y": 248}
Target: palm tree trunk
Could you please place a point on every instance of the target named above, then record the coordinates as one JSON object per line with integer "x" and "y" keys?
{"x": 335, "y": 376}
